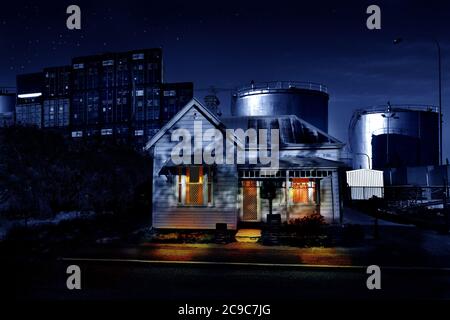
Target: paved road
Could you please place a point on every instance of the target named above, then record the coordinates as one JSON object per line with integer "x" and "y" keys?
{"x": 138, "y": 280}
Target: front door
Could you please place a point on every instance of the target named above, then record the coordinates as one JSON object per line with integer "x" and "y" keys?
{"x": 249, "y": 200}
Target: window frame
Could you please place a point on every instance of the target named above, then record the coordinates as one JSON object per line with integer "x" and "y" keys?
{"x": 311, "y": 191}
{"x": 181, "y": 184}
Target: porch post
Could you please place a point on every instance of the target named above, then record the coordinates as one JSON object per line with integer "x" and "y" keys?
{"x": 286, "y": 195}
{"x": 332, "y": 195}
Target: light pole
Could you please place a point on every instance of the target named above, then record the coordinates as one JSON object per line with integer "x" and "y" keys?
{"x": 388, "y": 115}
{"x": 441, "y": 122}
{"x": 368, "y": 158}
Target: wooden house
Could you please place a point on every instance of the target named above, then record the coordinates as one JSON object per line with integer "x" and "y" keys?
{"x": 201, "y": 195}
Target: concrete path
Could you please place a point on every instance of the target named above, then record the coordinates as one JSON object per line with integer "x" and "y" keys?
{"x": 355, "y": 217}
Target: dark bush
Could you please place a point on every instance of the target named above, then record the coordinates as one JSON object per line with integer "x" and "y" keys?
{"x": 308, "y": 225}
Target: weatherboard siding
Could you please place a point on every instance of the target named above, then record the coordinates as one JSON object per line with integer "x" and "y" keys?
{"x": 330, "y": 198}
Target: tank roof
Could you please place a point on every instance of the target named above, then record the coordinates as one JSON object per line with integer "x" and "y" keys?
{"x": 277, "y": 86}
{"x": 398, "y": 107}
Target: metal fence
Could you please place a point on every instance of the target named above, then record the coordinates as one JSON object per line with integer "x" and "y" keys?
{"x": 414, "y": 194}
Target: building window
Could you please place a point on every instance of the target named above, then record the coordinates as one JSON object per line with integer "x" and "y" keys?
{"x": 169, "y": 93}
{"x": 77, "y": 134}
{"x": 303, "y": 191}
{"x": 138, "y": 56}
{"x": 106, "y": 132}
{"x": 194, "y": 186}
{"x": 108, "y": 63}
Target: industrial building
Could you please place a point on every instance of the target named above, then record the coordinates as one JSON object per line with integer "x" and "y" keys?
{"x": 116, "y": 93}
{"x": 29, "y": 99}
{"x": 56, "y": 97}
{"x": 113, "y": 94}
{"x": 394, "y": 136}
{"x": 7, "y": 106}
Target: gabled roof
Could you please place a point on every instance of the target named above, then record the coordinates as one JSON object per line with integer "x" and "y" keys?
{"x": 194, "y": 103}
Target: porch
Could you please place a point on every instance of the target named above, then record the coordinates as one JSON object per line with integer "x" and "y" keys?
{"x": 299, "y": 192}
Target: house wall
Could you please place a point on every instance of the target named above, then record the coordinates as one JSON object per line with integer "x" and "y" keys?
{"x": 166, "y": 211}
{"x": 330, "y": 206}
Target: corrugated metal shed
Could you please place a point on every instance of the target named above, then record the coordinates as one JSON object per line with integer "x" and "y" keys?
{"x": 365, "y": 183}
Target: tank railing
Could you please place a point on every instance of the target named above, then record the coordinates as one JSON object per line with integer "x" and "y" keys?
{"x": 384, "y": 130}
{"x": 398, "y": 107}
{"x": 277, "y": 85}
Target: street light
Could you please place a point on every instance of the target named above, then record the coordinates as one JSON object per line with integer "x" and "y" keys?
{"x": 368, "y": 157}
{"x": 438, "y": 46}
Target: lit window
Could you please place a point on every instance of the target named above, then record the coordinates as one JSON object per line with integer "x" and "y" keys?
{"x": 138, "y": 56}
{"x": 170, "y": 93}
{"x": 106, "y": 132}
{"x": 303, "y": 191}
{"x": 194, "y": 186}
{"x": 78, "y": 66}
{"x": 77, "y": 134}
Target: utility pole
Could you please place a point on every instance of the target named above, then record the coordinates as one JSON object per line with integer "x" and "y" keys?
{"x": 441, "y": 122}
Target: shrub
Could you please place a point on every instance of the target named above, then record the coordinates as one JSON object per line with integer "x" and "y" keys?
{"x": 308, "y": 225}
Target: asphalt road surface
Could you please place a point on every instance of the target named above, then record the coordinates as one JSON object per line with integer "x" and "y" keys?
{"x": 106, "y": 280}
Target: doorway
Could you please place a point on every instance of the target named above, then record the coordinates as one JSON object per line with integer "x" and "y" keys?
{"x": 250, "y": 201}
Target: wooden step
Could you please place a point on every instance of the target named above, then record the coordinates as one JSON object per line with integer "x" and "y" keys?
{"x": 248, "y": 235}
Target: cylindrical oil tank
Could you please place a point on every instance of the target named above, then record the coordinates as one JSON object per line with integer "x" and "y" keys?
{"x": 308, "y": 101}
{"x": 394, "y": 136}
{"x": 7, "y": 102}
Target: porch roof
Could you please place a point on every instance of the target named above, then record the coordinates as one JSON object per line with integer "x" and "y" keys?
{"x": 170, "y": 167}
{"x": 298, "y": 163}
{"x": 287, "y": 163}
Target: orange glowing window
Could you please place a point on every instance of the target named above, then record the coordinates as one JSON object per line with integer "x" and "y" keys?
{"x": 196, "y": 184}
{"x": 302, "y": 191}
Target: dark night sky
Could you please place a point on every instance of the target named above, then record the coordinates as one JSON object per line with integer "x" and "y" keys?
{"x": 229, "y": 43}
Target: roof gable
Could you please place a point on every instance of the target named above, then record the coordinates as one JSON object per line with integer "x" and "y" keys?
{"x": 194, "y": 103}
